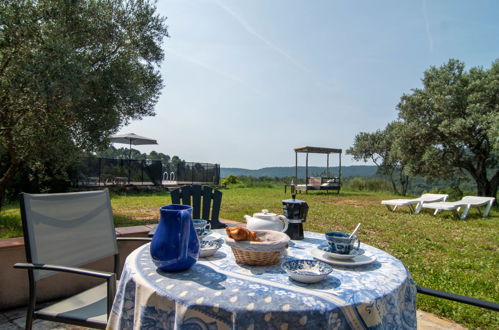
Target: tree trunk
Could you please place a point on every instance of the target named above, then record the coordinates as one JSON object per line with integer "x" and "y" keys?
{"x": 486, "y": 187}
{"x": 6, "y": 179}
{"x": 394, "y": 184}
{"x": 491, "y": 188}
{"x": 404, "y": 183}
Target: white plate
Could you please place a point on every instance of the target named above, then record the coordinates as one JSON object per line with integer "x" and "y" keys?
{"x": 364, "y": 259}
{"x": 331, "y": 255}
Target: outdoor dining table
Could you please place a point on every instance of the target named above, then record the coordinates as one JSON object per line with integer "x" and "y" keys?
{"x": 218, "y": 293}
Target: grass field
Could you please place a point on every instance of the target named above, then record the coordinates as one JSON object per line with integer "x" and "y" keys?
{"x": 442, "y": 252}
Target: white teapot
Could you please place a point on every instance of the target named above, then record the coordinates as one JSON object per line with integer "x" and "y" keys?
{"x": 267, "y": 221}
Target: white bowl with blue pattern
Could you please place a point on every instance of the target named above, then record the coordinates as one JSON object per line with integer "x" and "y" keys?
{"x": 207, "y": 248}
{"x": 306, "y": 271}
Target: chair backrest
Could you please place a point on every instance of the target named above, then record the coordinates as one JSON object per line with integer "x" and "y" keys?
{"x": 69, "y": 229}
{"x": 203, "y": 199}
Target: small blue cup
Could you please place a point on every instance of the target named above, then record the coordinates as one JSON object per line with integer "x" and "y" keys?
{"x": 201, "y": 226}
{"x": 341, "y": 243}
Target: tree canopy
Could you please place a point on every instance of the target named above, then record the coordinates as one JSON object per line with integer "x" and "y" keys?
{"x": 379, "y": 148}
{"x": 124, "y": 153}
{"x": 450, "y": 125}
{"x": 71, "y": 74}
{"x": 446, "y": 129}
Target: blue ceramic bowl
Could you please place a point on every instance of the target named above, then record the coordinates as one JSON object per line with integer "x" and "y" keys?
{"x": 341, "y": 243}
{"x": 306, "y": 271}
{"x": 201, "y": 226}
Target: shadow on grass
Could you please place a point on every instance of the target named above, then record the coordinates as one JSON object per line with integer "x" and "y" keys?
{"x": 473, "y": 215}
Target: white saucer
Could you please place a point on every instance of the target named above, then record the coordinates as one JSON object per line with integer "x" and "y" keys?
{"x": 331, "y": 255}
{"x": 364, "y": 259}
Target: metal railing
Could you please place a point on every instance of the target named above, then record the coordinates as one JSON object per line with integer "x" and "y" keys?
{"x": 459, "y": 298}
{"x": 104, "y": 171}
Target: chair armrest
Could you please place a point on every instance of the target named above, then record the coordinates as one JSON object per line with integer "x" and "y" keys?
{"x": 74, "y": 270}
{"x": 110, "y": 277}
{"x": 144, "y": 239}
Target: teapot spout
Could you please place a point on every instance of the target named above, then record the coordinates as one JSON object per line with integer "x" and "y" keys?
{"x": 247, "y": 218}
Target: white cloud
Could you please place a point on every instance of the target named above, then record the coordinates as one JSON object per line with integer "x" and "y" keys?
{"x": 253, "y": 32}
{"x": 217, "y": 71}
{"x": 248, "y": 28}
{"x": 427, "y": 25}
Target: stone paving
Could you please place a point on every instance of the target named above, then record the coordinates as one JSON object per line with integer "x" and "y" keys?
{"x": 15, "y": 319}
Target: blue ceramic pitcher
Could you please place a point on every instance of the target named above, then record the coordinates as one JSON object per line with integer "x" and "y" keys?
{"x": 175, "y": 245}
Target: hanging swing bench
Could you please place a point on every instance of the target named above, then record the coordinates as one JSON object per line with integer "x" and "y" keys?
{"x": 318, "y": 183}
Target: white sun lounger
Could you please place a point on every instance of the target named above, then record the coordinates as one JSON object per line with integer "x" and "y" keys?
{"x": 425, "y": 198}
{"x": 465, "y": 204}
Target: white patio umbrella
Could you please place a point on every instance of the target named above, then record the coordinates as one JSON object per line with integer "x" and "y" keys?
{"x": 131, "y": 138}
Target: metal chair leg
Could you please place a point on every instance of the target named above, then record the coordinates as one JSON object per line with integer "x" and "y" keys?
{"x": 30, "y": 314}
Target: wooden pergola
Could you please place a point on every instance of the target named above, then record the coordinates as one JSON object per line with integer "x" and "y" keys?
{"x": 317, "y": 150}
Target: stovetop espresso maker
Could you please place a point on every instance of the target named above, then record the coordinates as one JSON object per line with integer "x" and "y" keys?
{"x": 295, "y": 211}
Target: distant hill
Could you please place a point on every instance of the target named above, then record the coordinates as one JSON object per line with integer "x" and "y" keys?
{"x": 280, "y": 172}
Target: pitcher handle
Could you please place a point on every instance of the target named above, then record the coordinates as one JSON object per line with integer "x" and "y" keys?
{"x": 285, "y": 221}
{"x": 185, "y": 218}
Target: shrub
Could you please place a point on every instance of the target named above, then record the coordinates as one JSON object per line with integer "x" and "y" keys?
{"x": 378, "y": 185}
{"x": 370, "y": 184}
{"x": 356, "y": 184}
{"x": 231, "y": 179}
{"x": 454, "y": 192}
{"x": 244, "y": 181}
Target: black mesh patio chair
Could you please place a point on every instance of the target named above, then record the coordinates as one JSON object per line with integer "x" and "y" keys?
{"x": 61, "y": 233}
{"x": 205, "y": 202}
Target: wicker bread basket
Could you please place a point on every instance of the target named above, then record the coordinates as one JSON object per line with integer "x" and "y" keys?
{"x": 263, "y": 253}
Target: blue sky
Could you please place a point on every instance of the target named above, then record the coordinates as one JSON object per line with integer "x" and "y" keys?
{"x": 248, "y": 81}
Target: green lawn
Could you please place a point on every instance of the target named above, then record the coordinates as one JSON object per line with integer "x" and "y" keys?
{"x": 442, "y": 252}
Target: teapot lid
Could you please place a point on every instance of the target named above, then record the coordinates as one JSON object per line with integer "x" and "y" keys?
{"x": 264, "y": 214}
{"x": 294, "y": 201}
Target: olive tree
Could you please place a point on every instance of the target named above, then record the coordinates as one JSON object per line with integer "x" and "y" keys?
{"x": 451, "y": 125}
{"x": 379, "y": 148}
{"x": 72, "y": 73}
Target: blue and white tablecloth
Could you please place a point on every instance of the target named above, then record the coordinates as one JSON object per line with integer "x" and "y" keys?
{"x": 218, "y": 293}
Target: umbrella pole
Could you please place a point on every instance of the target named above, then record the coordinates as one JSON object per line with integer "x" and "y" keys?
{"x": 129, "y": 160}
